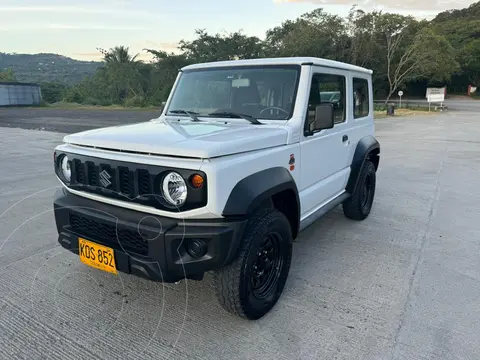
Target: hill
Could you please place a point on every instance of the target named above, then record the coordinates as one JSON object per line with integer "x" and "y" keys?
{"x": 470, "y": 13}
{"x": 459, "y": 27}
{"x": 38, "y": 68}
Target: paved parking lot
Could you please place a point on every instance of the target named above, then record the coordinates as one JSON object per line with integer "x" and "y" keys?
{"x": 403, "y": 284}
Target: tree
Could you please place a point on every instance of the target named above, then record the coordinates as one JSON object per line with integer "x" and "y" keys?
{"x": 315, "y": 33}
{"x": 412, "y": 51}
{"x": 121, "y": 71}
{"x": 429, "y": 56}
{"x": 400, "y": 50}
{"x": 7, "y": 76}
{"x": 434, "y": 59}
{"x": 470, "y": 58}
{"x": 218, "y": 47}
{"x": 118, "y": 55}
{"x": 163, "y": 74}
{"x": 364, "y": 47}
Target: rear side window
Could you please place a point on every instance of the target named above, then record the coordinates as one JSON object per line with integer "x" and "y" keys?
{"x": 360, "y": 98}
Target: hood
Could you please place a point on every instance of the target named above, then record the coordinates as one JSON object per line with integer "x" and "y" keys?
{"x": 185, "y": 139}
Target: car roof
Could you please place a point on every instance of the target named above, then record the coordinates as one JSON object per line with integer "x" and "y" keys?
{"x": 281, "y": 61}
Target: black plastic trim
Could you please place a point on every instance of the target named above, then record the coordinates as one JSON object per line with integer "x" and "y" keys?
{"x": 323, "y": 210}
{"x": 196, "y": 198}
{"x": 363, "y": 150}
{"x": 166, "y": 258}
{"x": 250, "y": 192}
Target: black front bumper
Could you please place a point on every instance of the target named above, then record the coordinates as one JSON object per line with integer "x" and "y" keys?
{"x": 146, "y": 245}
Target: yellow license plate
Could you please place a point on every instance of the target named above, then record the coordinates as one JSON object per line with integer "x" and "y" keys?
{"x": 97, "y": 256}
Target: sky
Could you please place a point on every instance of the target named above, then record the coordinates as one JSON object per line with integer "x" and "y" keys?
{"x": 77, "y": 28}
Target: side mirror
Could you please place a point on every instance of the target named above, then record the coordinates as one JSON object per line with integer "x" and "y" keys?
{"x": 323, "y": 118}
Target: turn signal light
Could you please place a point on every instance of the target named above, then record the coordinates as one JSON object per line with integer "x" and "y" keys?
{"x": 197, "y": 181}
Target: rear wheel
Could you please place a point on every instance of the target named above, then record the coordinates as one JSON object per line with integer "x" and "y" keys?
{"x": 359, "y": 205}
{"x": 251, "y": 285}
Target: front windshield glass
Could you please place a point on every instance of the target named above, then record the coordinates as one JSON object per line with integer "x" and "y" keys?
{"x": 263, "y": 92}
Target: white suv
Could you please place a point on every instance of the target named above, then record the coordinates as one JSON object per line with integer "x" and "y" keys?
{"x": 244, "y": 156}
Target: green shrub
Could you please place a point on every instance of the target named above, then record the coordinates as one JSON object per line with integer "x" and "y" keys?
{"x": 379, "y": 107}
{"x": 92, "y": 101}
{"x": 135, "y": 101}
{"x": 74, "y": 96}
{"x": 105, "y": 102}
{"x": 52, "y": 92}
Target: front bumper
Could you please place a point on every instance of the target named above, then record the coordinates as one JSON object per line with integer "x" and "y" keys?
{"x": 145, "y": 245}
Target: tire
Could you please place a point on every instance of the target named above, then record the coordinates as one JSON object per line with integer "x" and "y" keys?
{"x": 358, "y": 206}
{"x": 238, "y": 285}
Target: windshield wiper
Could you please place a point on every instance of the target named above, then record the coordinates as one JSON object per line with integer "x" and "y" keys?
{"x": 234, "y": 114}
{"x": 192, "y": 114}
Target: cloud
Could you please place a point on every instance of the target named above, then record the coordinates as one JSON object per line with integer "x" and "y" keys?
{"x": 78, "y": 10}
{"x": 165, "y": 46}
{"x": 426, "y": 5}
{"x": 80, "y": 27}
{"x": 95, "y": 27}
{"x": 97, "y": 56}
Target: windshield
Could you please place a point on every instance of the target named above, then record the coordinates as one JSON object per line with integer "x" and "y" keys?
{"x": 262, "y": 92}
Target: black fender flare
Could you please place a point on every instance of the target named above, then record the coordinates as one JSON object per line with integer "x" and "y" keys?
{"x": 367, "y": 148}
{"x": 252, "y": 191}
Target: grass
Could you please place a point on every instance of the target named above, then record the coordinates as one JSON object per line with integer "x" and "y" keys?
{"x": 404, "y": 112}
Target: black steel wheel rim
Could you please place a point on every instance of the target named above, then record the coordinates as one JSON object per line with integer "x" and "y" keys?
{"x": 367, "y": 192}
{"x": 267, "y": 267}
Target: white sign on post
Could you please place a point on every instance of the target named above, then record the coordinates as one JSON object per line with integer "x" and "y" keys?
{"x": 400, "y": 93}
{"x": 431, "y": 91}
{"x": 435, "y": 98}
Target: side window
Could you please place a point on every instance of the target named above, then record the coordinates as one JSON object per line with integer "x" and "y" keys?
{"x": 327, "y": 88}
{"x": 360, "y": 98}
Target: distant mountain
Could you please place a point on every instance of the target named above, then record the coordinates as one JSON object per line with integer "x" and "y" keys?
{"x": 460, "y": 27}
{"x": 38, "y": 68}
{"x": 470, "y": 13}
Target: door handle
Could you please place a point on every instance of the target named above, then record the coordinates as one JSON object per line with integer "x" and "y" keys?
{"x": 345, "y": 138}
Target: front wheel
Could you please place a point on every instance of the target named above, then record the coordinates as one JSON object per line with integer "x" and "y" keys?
{"x": 358, "y": 206}
{"x": 251, "y": 285}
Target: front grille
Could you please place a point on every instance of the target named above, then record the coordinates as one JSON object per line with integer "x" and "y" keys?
{"x": 109, "y": 235}
{"x": 143, "y": 182}
{"x": 130, "y": 182}
{"x": 122, "y": 182}
{"x": 92, "y": 172}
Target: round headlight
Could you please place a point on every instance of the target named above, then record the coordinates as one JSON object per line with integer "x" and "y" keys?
{"x": 174, "y": 189}
{"x": 65, "y": 168}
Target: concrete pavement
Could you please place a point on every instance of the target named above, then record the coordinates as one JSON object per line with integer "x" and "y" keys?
{"x": 403, "y": 284}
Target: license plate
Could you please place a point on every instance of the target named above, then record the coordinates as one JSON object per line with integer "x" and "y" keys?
{"x": 97, "y": 256}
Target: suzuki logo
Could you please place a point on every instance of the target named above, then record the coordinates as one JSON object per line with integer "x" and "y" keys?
{"x": 105, "y": 178}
